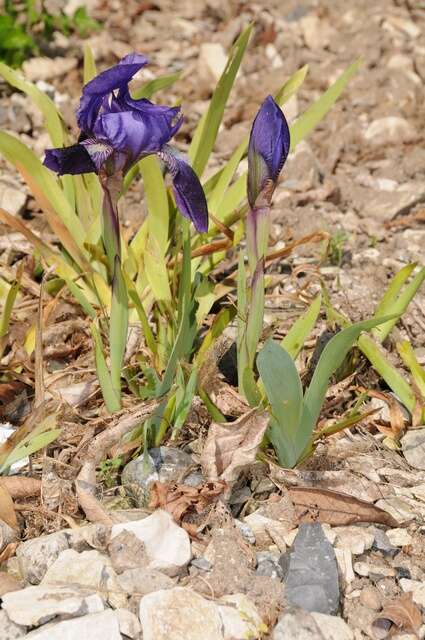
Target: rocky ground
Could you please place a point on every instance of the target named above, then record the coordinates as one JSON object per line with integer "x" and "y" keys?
{"x": 281, "y": 556}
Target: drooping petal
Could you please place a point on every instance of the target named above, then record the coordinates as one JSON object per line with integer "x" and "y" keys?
{"x": 268, "y": 149}
{"x": 117, "y": 77}
{"x": 188, "y": 191}
{"x": 134, "y": 133}
{"x": 98, "y": 151}
{"x": 73, "y": 160}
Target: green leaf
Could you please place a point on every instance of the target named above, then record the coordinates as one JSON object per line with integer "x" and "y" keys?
{"x": 284, "y": 392}
{"x": 408, "y": 356}
{"x": 206, "y": 132}
{"x": 396, "y": 303}
{"x": 112, "y": 400}
{"x": 89, "y": 64}
{"x": 80, "y": 298}
{"x": 148, "y": 89}
{"x": 392, "y": 376}
{"x": 294, "y": 340}
{"x": 242, "y": 310}
{"x": 8, "y": 305}
{"x": 52, "y": 118}
{"x": 330, "y": 360}
{"x": 317, "y": 111}
{"x": 183, "y": 407}
{"x": 118, "y": 326}
{"x": 220, "y": 322}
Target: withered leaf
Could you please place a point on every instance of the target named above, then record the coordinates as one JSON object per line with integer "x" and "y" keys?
{"x": 232, "y": 446}
{"x": 334, "y": 508}
{"x": 8, "y": 583}
{"x": 8, "y": 551}
{"x": 401, "y": 613}
{"x": 181, "y": 499}
{"x": 20, "y": 486}
{"x": 7, "y": 509}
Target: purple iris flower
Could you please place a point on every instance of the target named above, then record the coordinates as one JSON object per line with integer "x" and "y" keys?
{"x": 268, "y": 149}
{"x": 117, "y": 131}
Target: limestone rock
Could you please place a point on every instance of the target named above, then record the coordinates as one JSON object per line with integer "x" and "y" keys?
{"x": 36, "y": 605}
{"x": 167, "y": 545}
{"x": 179, "y": 613}
{"x": 48, "y": 68}
{"x": 8, "y": 629}
{"x": 97, "y": 626}
{"x": 390, "y": 130}
{"x": 129, "y": 624}
{"x": 413, "y": 443}
{"x": 11, "y": 198}
{"x": 37, "y": 555}
{"x": 143, "y": 581}
{"x": 240, "y": 618}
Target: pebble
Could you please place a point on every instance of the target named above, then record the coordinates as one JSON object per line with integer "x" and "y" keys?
{"x": 143, "y": 581}
{"x": 212, "y": 57}
{"x": 48, "y": 68}
{"x": 311, "y": 579}
{"x": 399, "y": 537}
{"x": 390, "y": 130}
{"x": 369, "y": 597}
{"x": 33, "y": 606}
{"x": 356, "y": 539}
{"x": 163, "y": 464}
{"x": 417, "y": 588}
{"x": 383, "y": 543}
{"x": 166, "y": 544}
{"x": 12, "y": 199}
{"x": 413, "y": 445}
{"x": 202, "y": 563}
{"x": 240, "y": 618}
{"x": 297, "y": 624}
{"x": 8, "y": 629}
{"x": 246, "y": 531}
{"x": 365, "y": 569}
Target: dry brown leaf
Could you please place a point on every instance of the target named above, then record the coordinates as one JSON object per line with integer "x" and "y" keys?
{"x": 7, "y": 510}
{"x": 397, "y": 419}
{"x": 8, "y": 552}
{"x": 232, "y": 446}
{"x": 20, "y": 486}
{"x": 8, "y": 583}
{"x": 181, "y": 499}
{"x": 401, "y": 613}
{"x": 334, "y": 508}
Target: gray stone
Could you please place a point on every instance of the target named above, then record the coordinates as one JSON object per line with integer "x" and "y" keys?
{"x": 413, "y": 443}
{"x": 36, "y": 556}
{"x": 202, "y": 563}
{"x": 332, "y": 627}
{"x": 296, "y": 624}
{"x": 384, "y": 544}
{"x": 311, "y": 571}
{"x": 97, "y": 626}
{"x": 179, "y": 613}
{"x": 36, "y": 605}
{"x": 270, "y": 569}
{"x": 143, "y": 581}
{"x": 129, "y": 624}
{"x": 8, "y": 629}
{"x": 246, "y": 531}
{"x": 163, "y": 464}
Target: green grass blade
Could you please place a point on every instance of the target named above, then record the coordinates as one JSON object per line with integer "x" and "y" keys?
{"x": 80, "y": 298}
{"x": 118, "y": 326}
{"x": 206, "y": 132}
{"x": 89, "y": 64}
{"x": 8, "y": 305}
{"x": 242, "y": 311}
{"x": 52, "y": 118}
{"x": 112, "y": 400}
{"x": 183, "y": 407}
{"x": 153, "y": 86}
{"x": 392, "y": 376}
{"x": 408, "y": 356}
{"x": 220, "y": 322}
{"x": 294, "y": 340}
{"x": 147, "y": 331}
{"x": 398, "y": 305}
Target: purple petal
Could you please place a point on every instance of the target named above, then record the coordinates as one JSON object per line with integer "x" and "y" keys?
{"x": 94, "y": 92}
{"x": 98, "y": 151}
{"x": 135, "y": 133}
{"x": 74, "y": 160}
{"x": 269, "y": 146}
{"x": 188, "y": 192}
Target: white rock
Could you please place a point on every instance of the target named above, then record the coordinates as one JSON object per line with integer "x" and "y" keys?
{"x": 345, "y": 565}
{"x": 179, "y": 613}
{"x": 97, "y": 626}
{"x": 241, "y": 619}
{"x": 417, "y": 588}
{"x": 332, "y": 627}
{"x": 356, "y": 539}
{"x": 317, "y": 33}
{"x": 399, "y": 509}
{"x": 8, "y": 629}
{"x": 213, "y": 57}
{"x": 365, "y": 569}
{"x": 11, "y": 198}
{"x": 128, "y": 623}
{"x": 143, "y": 581}
{"x": 48, "y": 68}
{"x": 36, "y": 605}
{"x": 413, "y": 443}
{"x": 390, "y": 130}
{"x": 35, "y": 556}
{"x": 259, "y": 526}
{"x": 399, "y": 537}
{"x": 166, "y": 544}
{"x": 87, "y": 569}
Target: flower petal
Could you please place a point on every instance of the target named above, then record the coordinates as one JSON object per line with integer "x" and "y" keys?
{"x": 188, "y": 191}
{"x": 98, "y": 151}
{"x": 117, "y": 77}
{"x": 135, "y": 133}
{"x": 268, "y": 149}
{"x": 73, "y": 160}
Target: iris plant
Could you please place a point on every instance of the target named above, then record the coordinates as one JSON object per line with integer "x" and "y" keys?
{"x": 268, "y": 149}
